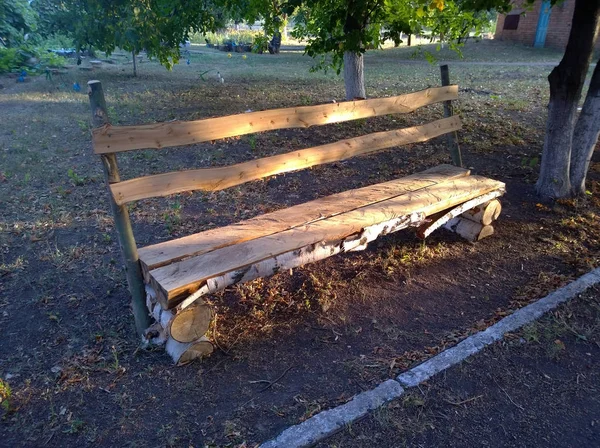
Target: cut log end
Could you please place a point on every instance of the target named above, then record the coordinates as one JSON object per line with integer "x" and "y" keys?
{"x": 484, "y": 214}
{"x": 469, "y": 230}
{"x": 191, "y": 323}
{"x": 473, "y": 209}
{"x": 197, "y": 350}
{"x": 184, "y": 353}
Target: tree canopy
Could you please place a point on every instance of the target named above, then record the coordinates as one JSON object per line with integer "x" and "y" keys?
{"x": 339, "y": 26}
{"x": 156, "y": 26}
{"x": 17, "y": 19}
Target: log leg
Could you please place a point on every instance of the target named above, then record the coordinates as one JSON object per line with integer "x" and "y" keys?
{"x": 190, "y": 329}
{"x": 469, "y": 230}
{"x": 485, "y": 213}
{"x": 183, "y": 353}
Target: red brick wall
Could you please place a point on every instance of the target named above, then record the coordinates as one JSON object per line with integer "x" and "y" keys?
{"x": 559, "y": 26}
{"x": 525, "y": 33}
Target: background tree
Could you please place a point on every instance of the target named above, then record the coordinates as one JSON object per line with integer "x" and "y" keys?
{"x": 17, "y": 19}
{"x": 270, "y": 12}
{"x": 155, "y": 26}
{"x": 347, "y": 29}
{"x": 570, "y": 140}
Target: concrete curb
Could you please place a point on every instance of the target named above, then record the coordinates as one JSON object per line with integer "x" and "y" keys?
{"x": 476, "y": 342}
{"x": 328, "y": 422}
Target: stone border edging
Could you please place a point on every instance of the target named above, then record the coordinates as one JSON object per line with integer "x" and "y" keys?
{"x": 332, "y": 420}
{"x": 326, "y": 423}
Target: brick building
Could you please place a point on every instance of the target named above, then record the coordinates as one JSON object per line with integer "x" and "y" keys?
{"x": 539, "y": 26}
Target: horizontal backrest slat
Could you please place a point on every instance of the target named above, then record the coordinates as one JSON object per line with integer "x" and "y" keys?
{"x": 213, "y": 179}
{"x": 112, "y": 139}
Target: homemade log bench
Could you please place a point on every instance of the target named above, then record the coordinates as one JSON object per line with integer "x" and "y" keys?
{"x": 167, "y": 280}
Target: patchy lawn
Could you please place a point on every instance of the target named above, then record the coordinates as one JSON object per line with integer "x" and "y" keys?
{"x": 335, "y": 328}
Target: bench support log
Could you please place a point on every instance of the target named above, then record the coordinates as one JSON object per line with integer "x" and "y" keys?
{"x": 484, "y": 214}
{"x": 120, "y": 213}
{"x": 469, "y": 230}
{"x": 481, "y": 202}
{"x": 159, "y": 333}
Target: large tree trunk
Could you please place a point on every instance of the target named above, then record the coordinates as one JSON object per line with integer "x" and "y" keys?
{"x": 585, "y": 135}
{"x": 354, "y": 77}
{"x": 566, "y": 82}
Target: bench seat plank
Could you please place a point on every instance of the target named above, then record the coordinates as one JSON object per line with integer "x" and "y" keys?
{"x": 171, "y": 251}
{"x": 177, "y": 280}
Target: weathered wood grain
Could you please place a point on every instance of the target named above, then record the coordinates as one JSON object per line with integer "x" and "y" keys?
{"x": 300, "y": 257}
{"x": 135, "y": 280}
{"x": 170, "y": 251}
{"x": 175, "y": 281}
{"x": 213, "y": 179}
{"x": 111, "y": 139}
{"x": 191, "y": 323}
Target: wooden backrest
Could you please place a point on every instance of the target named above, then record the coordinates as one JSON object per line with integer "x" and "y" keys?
{"x": 112, "y": 139}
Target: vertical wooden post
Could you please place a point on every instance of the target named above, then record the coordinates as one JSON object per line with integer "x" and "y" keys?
{"x": 133, "y": 270}
{"x": 451, "y": 137}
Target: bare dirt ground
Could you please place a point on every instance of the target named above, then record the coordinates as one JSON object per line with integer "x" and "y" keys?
{"x": 69, "y": 355}
{"x": 538, "y": 387}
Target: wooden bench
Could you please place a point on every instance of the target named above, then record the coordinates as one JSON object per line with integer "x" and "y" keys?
{"x": 168, "y": 279}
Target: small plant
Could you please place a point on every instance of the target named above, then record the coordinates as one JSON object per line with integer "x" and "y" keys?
{"x": 84, "y": 125}
{"x": 115, "y": 363}
{"x": 76, "y": 179}
{"x": 5, "y": 395}
{"x": 173, "y": 217}
{"x": 52, "y": 60}
{"x": 252, "y": 142}
{"x": 62, "y": 192}
{"x": 12, "y": 59}
{"x": 76, "y": 427}
{"x": 532, "y": 162}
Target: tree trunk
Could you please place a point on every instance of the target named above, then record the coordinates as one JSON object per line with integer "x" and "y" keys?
{"x": 134, "y": 63}
{"x": 566, "y": 82}
{"x": 354, "y": 77}
{"x": 585, "y": 135}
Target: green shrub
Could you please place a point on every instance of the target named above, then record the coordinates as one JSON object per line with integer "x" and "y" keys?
{"x": 48, "y": 59}
{"x": 260, "y": 44}
{"x": 231, "y": 36}
{"x": 12, "y": 59}
{"x": 32, "y": 59}
{"x": 242, "y": 37}
{"x": 56, "y": 42}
